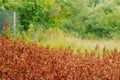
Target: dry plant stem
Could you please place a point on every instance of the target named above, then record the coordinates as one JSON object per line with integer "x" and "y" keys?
{"x": 4, "y": 32}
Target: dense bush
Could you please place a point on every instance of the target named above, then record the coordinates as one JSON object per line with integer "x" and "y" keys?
{"x": 21, "y": 61}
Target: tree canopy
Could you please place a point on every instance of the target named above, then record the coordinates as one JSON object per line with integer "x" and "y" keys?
{"x": 87, "y": 18}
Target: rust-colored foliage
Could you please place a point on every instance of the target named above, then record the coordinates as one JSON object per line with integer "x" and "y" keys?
{"x": 5, "y": 28}
{"x": 21, "y": 61}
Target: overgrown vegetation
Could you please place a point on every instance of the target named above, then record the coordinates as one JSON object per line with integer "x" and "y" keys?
{"x": 89, "y": 19}
{"x": 21, "y": 61}
{"x": 64, "y": 31}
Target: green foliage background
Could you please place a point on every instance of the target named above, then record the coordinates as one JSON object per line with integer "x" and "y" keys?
{"x": 87, "y": 19}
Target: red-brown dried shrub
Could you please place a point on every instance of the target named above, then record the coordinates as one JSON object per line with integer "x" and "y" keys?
{"x": 21, "y": 61}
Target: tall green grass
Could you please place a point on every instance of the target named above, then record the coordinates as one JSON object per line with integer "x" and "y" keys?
{"x": 55, "y": 38}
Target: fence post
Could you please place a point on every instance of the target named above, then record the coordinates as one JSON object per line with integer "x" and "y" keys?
{"x": 14, "y": 24}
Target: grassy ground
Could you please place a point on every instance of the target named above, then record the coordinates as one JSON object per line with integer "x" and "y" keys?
{"x": 76, "y": 43}
{"x": 57, "y": 38}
